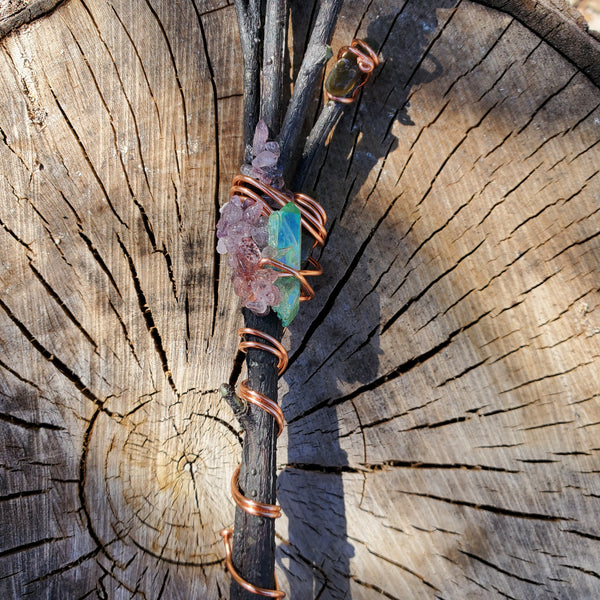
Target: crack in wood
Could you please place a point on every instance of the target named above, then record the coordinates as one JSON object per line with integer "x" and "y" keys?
{"x": 431, "y": 43}
{"x": 32, "y": 545}
{"x": 87, "y": 158}
{"x": 487, "y": 563}
{"x": 61, "y": 304}
{"x": 175, "y": 69}
{"x": 64, "y": 568}
{"x": 23, "y": 494}
{"x": 333, "y": 296}
{"x": 402, "y": 567}
{"x": 419, "y": 295}
{"x": 32, "y": 425}
{"x": 512, "y": 190}
{"x": 141, "y": 63}
{"x": 546, "y": 101}
{"x": 375, "y": 588}
{"x": 149, "y": 318}
{"x": 391, "y": 375}
{"x": 67, "y": 372}
{"x": 505, "y": 512}
{"x": 217, "y": 167}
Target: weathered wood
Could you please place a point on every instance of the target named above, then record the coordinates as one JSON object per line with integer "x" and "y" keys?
{"x": 561, "y": 26}
{"x": 16, "y": 13}
{"x": 316, "y": 55}
{"x": 254, "y": 537}
{"x": 442, "y": 399}
{"x": 250, "y": 32}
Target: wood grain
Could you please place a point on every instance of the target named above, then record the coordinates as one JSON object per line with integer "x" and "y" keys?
{"x": 442, "y": 397}
{"x": 16, "y": 13}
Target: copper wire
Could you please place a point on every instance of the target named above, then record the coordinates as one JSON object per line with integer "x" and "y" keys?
{"x": 306, "y": 291}
{"x": 260, "y": 400}
{"x": 227, "y": 534}
{"x": 313, "y": 216}
{"x": 367, "y": 61}
{"x": 258, "y": 509}
{"x": 276, "y": 348}
{"x": 313, "y": 219}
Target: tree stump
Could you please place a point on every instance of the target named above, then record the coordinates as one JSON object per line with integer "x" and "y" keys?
{"x": 442, "y": 398}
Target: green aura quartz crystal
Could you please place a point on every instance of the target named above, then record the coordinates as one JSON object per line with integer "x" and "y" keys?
{"x": 284, "y": 228}
{"x": 344, "y": 77}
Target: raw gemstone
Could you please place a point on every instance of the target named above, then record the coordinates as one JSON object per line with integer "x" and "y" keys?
{"x": 284, "y": 236}
{"x": 263, "y": 158}
{"x": 242, "y": 230}
{"x": 261, "y": 135}
{"x": 344, "y": 77}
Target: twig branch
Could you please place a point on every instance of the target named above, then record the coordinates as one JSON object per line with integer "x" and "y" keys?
{"x": 254, "y": 537}
{"x": 274, "y": 48}
{"x": 316, "y": 56}
{"x": 327, "y": 120}
{"x": 238, "y": 406}
{"x": 249, "y": 25}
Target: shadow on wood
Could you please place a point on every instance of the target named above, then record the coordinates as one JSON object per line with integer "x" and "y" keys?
{"x": 315, "y": 459}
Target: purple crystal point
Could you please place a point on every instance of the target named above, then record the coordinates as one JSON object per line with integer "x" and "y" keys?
{"x": 263, "y": 156}
{"x": 261, "y": 135}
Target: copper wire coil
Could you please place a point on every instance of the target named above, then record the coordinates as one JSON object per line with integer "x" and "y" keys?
{"x": 252, "y": 507}
{"x": 258, "y": 509}
{"x": 313, "y": 216}
{"x": 367, "y": 61}
{"x": 315, "y": 271}
{"x": 261, "y": 401}
{"x": 313, "y": 219}
{"x": 305, "y": 200}
{"x": 276, "y": 348}
{"x": 227, "y": 534}
{"x": 306, "y": 291}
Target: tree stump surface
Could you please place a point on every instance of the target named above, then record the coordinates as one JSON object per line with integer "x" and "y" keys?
{"x": 442, "y": 396}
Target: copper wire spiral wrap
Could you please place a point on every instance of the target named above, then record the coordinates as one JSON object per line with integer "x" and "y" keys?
{"x": 367, "y": 62}
{"x": 258, "y": 509}
{"x": 275, "y": 346}
{"x": 313, "y": 219}
{"x": 313, "y": 216}
{"x": 227, "y": 535}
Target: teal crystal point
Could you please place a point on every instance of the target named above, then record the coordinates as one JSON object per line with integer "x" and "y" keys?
{"x": 284, "y": 236}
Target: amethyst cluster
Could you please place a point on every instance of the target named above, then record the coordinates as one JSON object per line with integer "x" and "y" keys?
{"x": 242, "y": 230}
{"x": 242, "y": 233}
{"x": 263, "y": 156}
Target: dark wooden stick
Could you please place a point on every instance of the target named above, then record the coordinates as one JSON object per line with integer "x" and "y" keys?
{"x": 327, "y": 120}
{"x": 316, "y": 56}
{"x": 274, "y": 48}
{"x": 249, "y": 25}
{"x": 254, "y": 537}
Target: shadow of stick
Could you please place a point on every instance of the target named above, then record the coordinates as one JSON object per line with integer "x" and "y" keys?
{"x": 335, "y": 344}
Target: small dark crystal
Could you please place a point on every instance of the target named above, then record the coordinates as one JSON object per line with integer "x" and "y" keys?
{"x": 344, "y": 77}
